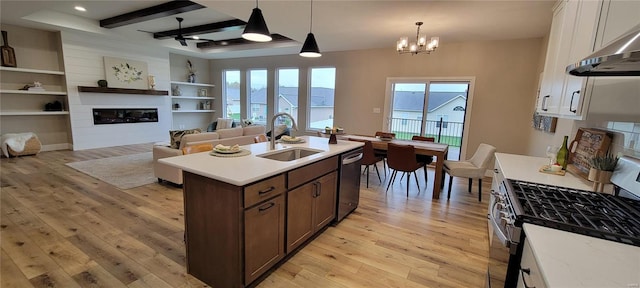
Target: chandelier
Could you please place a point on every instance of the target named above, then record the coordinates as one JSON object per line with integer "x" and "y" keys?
{"x": 403, "y": 45}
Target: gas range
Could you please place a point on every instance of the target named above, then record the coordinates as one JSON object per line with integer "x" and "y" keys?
{"x": 589, "y": 213}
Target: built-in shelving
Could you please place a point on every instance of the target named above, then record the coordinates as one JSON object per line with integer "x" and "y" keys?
{"x": 8, "y": 91}
{"x": 122, "y": 90}
{"x": 26, "y": 70}
{"x": 192, "y": 84}
{"x": 33, "y": 113}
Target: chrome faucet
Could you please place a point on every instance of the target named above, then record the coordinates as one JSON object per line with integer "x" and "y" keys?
{"x": 273, "y": 127}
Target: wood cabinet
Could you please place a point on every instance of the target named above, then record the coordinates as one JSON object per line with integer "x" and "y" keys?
{"x": 234, "y": 235}
{"x": 311, "y": 207}
{"x": 571, "y": 38}
{"x": 264, "y": 237}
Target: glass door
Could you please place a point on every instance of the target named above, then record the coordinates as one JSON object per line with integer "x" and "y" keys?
{"x": 431, "y": 109}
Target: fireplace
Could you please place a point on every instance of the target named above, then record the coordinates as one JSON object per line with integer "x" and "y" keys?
{"x": 124, "y": 115}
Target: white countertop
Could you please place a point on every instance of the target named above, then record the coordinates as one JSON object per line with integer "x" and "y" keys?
{"x": 574, "y": 260}
{"x": 243, "y": 170}
{"x": 526, "y": 168}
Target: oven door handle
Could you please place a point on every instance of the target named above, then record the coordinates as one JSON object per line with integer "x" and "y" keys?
{"x": 496, "y": 228}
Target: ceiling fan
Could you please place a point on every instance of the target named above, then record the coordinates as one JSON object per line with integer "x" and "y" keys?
{"x": 179, "y": 37}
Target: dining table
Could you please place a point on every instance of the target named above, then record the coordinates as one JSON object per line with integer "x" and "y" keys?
{"x": 438, "y": 150}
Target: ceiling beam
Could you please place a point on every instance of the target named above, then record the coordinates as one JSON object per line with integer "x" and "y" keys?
{"x": 154, "y": 12}
{"x": 276, "y": 38}
{"x": 228, "y": 25}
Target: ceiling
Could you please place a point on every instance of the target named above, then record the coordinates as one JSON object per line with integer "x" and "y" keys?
{"x": 337, "y": 25}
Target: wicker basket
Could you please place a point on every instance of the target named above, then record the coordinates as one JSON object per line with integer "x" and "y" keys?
{"x": 31, "y": 147}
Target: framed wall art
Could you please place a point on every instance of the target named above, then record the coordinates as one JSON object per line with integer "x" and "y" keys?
{"x": 125, "y": 73}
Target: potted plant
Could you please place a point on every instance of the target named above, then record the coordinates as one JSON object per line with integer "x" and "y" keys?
{"x": 602, "y": 167}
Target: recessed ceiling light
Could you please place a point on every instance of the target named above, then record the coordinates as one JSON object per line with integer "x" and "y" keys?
{"x": 80, "y": 8}
{"x": 196, "y": 37}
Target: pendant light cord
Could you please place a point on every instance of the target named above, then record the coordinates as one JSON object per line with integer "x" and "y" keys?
{"x": 310, "y": 22}
{"x": 256, "y": 3}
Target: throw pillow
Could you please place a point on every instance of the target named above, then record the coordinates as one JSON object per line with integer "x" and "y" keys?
{"x": 247, "y": 122}
{"x": 176, "y": 136}
{"x": 224, "y": 123}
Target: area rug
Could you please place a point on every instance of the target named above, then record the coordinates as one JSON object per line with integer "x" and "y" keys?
{"x": 124, "y": 172}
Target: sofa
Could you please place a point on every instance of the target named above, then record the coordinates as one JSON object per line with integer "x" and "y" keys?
{"x": 229, "y": 137}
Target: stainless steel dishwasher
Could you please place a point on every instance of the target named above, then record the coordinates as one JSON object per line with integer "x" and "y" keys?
{"x": 349, "y": 179}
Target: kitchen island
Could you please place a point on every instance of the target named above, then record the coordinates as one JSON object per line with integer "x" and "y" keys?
{"x": 245, "y": 215}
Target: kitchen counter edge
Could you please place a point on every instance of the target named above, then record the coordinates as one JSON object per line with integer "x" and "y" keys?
{"x": 244, "y": 170}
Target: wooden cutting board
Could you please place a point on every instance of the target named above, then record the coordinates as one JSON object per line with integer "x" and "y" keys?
{"x": 8, "y": 54}
{"x": 589, "y": 142}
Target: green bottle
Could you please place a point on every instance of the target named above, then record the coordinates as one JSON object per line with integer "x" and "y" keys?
{"x": 563, "y": 154}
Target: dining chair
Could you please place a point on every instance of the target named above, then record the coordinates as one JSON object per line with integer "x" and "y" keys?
{"x": 260, "y": 138}
{"x": 369, "y": 158}
{"x": 197, "y": 148}
{"x": 474, "y": 168}
{"x": 426, "y": 159}
{"x": 402, "y": 158}
{"x": 383, "y": 153}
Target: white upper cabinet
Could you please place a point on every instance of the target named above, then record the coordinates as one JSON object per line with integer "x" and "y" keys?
{"x": 583, "y": 39}
{"x": 616, "y": 98}
{"x": 572, "y": 37}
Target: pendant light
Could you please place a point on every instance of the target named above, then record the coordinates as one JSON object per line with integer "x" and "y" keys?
{"x": 310, "y": 46}
{"x": 256, "y": 29}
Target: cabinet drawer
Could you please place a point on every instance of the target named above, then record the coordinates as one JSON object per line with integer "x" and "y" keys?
{"x": 307, "y": 173}
{"x": 265, "y": 189}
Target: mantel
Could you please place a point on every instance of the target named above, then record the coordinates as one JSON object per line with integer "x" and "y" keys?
{"x": 121, "y": 90}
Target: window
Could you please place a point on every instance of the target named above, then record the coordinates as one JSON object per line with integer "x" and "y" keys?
{"x": 321, "y": 97}
{"x": 257, "y": 87}
{"x": 287, "y": 92}
{"x": 231, "y": 94}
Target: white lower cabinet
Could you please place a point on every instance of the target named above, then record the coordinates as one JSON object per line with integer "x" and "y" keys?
{"x": 530, "y": 273}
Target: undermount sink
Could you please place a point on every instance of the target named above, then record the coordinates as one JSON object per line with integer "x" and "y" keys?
{"x": 289, "y": 154}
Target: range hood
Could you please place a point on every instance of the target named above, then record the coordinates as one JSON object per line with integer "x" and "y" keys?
{"x": 620, "y": 58}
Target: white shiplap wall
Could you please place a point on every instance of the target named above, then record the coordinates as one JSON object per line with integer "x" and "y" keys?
{"x": 84, "y": 66}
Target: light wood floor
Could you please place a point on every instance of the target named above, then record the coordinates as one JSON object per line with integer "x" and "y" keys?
{"x": 62, "y": 228}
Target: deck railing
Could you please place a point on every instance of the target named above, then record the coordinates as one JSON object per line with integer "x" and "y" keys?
{"x": 443, "y": 131}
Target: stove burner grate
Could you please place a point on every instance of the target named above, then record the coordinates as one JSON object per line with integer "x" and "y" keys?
{"x": 589, "y": 213}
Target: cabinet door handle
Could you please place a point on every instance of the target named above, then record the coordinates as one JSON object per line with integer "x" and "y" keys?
{"x": 315, "y": 190}
{"x": 571, "y": 103}
{"x": 262, "y": 192}
{"x": 319, "y": 189}
{"x": 544, "y": 103}
{"x": 524, "y": 280}
{"x": 266, "y": 207}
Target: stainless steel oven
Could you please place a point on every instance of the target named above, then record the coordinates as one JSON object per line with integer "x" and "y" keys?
{"x": 504, "y": 237}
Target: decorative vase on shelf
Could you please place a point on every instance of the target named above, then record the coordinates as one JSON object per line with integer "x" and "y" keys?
{"x": 191, "y": 78}
{"x": 562, "y": 158}
{"x": 176, "y": 91}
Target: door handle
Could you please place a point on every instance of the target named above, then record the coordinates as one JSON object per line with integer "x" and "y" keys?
{"x": 266, "y": 207}
{"x": 352, "y": 159}
{"x": 571, "y": 103}
{"x": 544, "y": 102}
{"x": 262, "y": 192}
{"x": 524, "y": 280}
